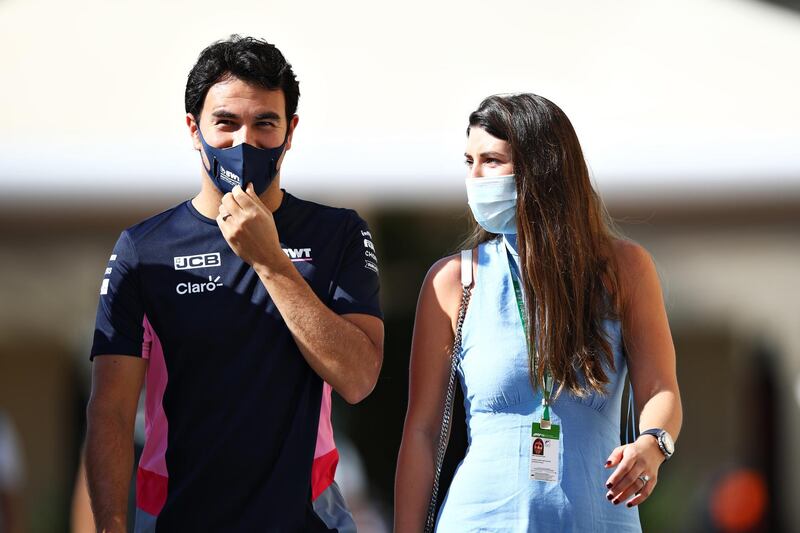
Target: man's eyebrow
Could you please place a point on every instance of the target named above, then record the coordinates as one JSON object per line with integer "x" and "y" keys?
{"x": 271, "y": 115}
{"x": 221, "y": 113}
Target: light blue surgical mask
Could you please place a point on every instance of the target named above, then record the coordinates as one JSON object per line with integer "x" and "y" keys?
{"x": 493, "y": 201}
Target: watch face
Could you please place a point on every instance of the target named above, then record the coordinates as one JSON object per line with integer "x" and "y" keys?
{"x": 666, "y": 442}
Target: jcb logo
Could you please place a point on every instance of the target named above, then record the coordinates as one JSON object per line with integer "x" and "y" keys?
{"x": 197, "y": 261}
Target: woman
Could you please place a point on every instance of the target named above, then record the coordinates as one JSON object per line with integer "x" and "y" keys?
{"x": 545, "y": 255}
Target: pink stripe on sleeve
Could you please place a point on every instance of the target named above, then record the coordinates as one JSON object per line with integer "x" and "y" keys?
{"x": 325, "y": 432}
{"x": 325, "y": 455}
{"x": 155, "y": 447}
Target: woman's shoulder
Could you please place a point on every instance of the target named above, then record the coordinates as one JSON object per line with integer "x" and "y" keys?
{"x": 630, "y": 255}
{"x": 445, "y": 274}
{"x": 442, "y": 284}
{"x": 635, "y": 265}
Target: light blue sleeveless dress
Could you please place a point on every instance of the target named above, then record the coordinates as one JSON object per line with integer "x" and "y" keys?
{"x": 492, "y": 489}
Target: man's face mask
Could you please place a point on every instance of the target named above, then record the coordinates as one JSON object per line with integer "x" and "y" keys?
{"x": 493, "y": 202}
{"x": 241, "y": 164}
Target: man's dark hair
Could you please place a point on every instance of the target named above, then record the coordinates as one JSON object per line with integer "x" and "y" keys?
{"x": 251, "y": 60}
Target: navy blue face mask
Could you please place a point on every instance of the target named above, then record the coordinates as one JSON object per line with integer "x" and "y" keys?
{"x": 241, "y": 164}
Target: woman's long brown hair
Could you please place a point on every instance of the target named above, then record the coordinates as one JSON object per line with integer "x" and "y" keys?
{"x": 564, "y": 239}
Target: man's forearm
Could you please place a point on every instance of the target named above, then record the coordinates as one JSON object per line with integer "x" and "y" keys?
{"x": 338, "y": 351}
{"x": 109, "y": 462}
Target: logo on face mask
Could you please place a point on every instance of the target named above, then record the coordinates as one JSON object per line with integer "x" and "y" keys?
{"x": 228, "y": 176}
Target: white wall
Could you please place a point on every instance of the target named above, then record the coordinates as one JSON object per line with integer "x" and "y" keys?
{"x": 686, "y": 96}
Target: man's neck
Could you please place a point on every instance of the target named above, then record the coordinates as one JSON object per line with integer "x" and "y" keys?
{"x": 209, "y": 198}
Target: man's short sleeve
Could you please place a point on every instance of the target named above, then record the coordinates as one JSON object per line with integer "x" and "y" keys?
{"x": 356, "y": 288}
{"x": 118, "y": 328}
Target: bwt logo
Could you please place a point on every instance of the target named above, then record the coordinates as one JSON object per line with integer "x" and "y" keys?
{"x": 197, "y": 261}
{"x": 192, "y": 288}
{"x": 298, "y": 254}
{"x": 229, "y": 176}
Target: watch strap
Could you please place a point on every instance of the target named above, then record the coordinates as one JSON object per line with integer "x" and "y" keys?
{"x": 656, "y": 432}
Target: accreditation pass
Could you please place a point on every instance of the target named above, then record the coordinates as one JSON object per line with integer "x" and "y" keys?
{"x": 545, "y": 452}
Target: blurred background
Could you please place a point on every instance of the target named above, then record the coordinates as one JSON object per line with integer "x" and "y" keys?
{"x": 688, "y": 113}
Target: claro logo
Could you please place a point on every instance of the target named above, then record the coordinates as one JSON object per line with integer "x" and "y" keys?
{"x": 193, "y": 288}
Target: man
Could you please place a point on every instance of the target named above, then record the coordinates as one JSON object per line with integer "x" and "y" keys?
{"x": 236, "y": 307}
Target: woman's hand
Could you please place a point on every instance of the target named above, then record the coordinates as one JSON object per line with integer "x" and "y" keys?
{"x": 635, "y": 462}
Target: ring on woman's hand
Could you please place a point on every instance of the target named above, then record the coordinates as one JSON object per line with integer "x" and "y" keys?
{"x": 644, "y": 478}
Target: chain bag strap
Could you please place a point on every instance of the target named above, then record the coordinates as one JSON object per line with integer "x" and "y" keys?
{"x": 444, "y": 433}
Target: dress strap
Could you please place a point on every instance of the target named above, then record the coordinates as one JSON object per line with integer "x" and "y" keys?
{"x": 466, "y": 267}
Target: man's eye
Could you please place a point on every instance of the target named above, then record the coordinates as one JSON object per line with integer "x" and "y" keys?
{"x": 468, "y": 162}
{"x": 265, "y": 124}
{"x": 223, "y": 122}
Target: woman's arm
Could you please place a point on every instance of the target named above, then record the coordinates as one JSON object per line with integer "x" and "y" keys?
{"x": 651, "y": 362}
{"x": 437, "y": 311}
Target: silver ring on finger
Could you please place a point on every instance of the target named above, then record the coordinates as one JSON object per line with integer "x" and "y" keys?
{"x": 644, "y": 478}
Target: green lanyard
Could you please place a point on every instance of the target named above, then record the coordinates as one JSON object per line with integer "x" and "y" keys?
{"x": 547, "y": 389}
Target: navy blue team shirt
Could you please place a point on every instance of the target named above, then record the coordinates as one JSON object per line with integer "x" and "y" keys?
{"x": 232, "y": 408}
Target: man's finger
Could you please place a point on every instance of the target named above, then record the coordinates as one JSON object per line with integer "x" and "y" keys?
{"x": 241, "y": 197}
{"x": 223, "y": 211}
{"x": 221, "y": 223}
{"x": 230, "y": 203}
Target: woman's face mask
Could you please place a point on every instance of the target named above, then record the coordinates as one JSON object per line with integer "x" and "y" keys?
{"x": 493, "y": 202}
{"x": 491, "y": 187}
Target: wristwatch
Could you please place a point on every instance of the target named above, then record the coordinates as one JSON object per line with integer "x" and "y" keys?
{"x": 664, "y": 440}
